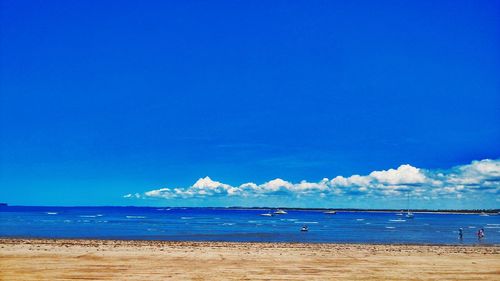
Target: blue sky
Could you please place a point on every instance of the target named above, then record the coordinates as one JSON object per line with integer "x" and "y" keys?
{"x": 102, "y": 99}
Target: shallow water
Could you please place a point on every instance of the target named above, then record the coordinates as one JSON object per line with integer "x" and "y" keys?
{"x": 207, "y": 224}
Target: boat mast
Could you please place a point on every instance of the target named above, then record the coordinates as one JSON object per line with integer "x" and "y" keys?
{"x": 408, "y": 204}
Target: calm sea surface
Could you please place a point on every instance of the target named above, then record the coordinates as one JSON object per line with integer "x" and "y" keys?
{"x": 207, "y": 224}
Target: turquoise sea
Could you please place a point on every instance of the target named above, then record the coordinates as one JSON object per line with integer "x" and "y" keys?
{"x": 219, "y": 224}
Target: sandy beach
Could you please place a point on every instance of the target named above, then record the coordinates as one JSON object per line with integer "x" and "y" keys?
{"x": 22, "y": 259}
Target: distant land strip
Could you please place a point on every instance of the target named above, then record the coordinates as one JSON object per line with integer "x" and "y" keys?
{"x": 451, "y": 211}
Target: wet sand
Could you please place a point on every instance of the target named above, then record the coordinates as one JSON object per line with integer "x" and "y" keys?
{"x": 39, "y": 259}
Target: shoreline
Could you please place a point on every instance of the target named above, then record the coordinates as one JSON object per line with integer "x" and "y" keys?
{"x": 64, "y": 259}
{"x": 116, "y": 240}
{"x": 222, "y": 244}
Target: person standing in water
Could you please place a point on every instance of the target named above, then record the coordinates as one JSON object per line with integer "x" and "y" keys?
{"x": 480, "y": 234}
{"x": 461, "y": 234}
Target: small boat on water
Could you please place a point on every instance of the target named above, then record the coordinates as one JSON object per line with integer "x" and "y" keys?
{"x": 409, "y": 215}
{"x": 280, "y": 212}
{"x": 268, "y": 214}
{"x": 330, "y": 212}
{"x": 304, "y": 228}
{"x": 483, "y": 214}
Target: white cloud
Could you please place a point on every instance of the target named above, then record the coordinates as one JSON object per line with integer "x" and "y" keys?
{"x": 130, "y": 195}
{"x": 403, "y": 175}
{"x": 208, "y": 183}
{"x": 276, "y": 184}
{"x": 481, "y": 175}
{"x": 476, "y": 173}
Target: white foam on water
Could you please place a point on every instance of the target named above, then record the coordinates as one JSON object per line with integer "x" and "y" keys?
{"x": 398, "y": 220}
{"x": 472, "y": 227}
{"x": 87, "y": 216}
{"x": 492, "y": 227}
{"x": 135, "y": 217}
{"x": 228, "y": 223}
{"x": 252, "y": 221}
{"x": 306, "y": 222}
{"x": 360, "y": 219}
{"x": 52, "y": 213}
{"x": 493, "y": 224}
{"x": 186, "y": 218}
{"x": 390, "y": 227}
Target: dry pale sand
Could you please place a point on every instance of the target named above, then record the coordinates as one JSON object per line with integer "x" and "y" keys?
{"x": 145, "y": 260}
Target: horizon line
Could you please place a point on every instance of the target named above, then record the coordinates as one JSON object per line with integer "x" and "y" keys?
{"x": 258, "y": 208}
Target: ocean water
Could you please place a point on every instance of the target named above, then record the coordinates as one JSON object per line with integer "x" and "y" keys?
{"x": 209, "y": 224}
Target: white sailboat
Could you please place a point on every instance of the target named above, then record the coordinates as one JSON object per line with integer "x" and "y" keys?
{"x": 280, "y": 212}
{"x": 409, "y": 214}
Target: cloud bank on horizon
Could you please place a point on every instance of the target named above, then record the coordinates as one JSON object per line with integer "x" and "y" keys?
{"x": 479, "y": 177}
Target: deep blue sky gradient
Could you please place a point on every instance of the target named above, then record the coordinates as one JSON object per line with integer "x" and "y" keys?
{"x": 103, "y": 98}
